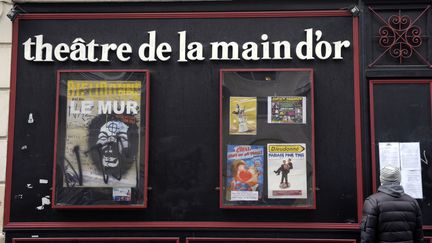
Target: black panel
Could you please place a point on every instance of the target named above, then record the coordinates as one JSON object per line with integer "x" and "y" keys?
{"x": 184, "y": 119}
{"x": 402, "y": 114}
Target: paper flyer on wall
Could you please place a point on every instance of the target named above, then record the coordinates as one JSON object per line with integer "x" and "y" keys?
{"x": 405, "y": 156}
{"x": 243, "y": 115}
{"x": 389, "y": 154}
{"x": 244, "y": 172}
{"x": 286, "y": 170}
{"x": 102, "y": 146}
{"x": 286, "y": 109}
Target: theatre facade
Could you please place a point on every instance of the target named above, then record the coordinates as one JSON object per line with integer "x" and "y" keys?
{"x": 214, "y": 121}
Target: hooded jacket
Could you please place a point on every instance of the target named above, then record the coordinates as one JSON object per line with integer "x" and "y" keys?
{"x": 390, "y": 215}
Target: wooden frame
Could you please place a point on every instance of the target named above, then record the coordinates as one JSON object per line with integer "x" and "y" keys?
{"x": 309, "y": 112}
{"x": 77, "y": 173}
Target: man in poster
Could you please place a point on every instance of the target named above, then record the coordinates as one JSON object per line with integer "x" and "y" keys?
{"x": 285, "y": 169}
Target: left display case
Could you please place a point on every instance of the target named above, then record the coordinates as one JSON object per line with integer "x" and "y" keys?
{"x": 101, "y": 139}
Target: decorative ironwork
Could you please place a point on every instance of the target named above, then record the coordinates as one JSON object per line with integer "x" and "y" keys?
{"x": 400, "y": 37}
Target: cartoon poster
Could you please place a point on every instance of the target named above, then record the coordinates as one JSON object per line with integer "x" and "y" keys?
{"x": 286, "y": 166}
{"x": 243, "y": 115}
{"x": 244, "y": 172}
{"x": 286, "y": 109}
{"x": 102, "y": 145}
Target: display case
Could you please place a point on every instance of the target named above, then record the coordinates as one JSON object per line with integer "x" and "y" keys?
{"x": 100, "y": 154}
{"x": 267, "y": 138}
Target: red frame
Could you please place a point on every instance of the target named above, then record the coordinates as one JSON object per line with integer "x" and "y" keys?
{"x": 221, "y": 192}
{"x": 372, "y": 83}
{"x": 167, "y": 224}
{"x": 147, "y": 113}
{"x": 107, "y": 239}
{"x": 270, "y": 240}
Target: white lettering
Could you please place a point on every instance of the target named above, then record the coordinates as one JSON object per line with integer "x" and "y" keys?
{"x": 123, "y": 49}
{"x": 104, "y": 108}
{"x": 40, "y": 48}
{"x": 131, "y": 107}
{"x": 105, "y": 51}
{"x": 146, "y": 51}
{"x": 233, "y": 46}
{"x": 59, "y": 49}
{"x": 307, "y": 44}
{"x": 86, "y": 106}
{"x": 250, "y": 51}
{"x": 338, "y": 45}
{"x": 161, "y": 49}
{"x": 78, "y": 50}
{"x": 27, "y": 50}
{"x": 286, "y": 50}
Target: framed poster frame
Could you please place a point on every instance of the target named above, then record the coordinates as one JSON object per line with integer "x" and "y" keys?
{"x": 287, "y": 104}
{"x": 108, "y": 168}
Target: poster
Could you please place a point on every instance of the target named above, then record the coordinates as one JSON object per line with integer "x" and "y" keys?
{"x": 389, "y": 154}
{"x": 244, "y": 172}
{"x": 102, "y": 144}
{"x": 286, "y": 109}
{"x": 405, "y": 156}
{"x": 243, "y": 115}
{"x": 286, "y": 170}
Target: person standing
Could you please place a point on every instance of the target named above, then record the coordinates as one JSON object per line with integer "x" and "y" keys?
{"x": 390, "y": 215}
{"x": 285, "y": 169}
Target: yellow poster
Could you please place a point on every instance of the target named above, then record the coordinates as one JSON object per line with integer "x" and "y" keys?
{"x": 243, "y": 116}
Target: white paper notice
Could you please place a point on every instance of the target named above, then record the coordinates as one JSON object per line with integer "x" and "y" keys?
{"x": 410, "y": 156}
{"x": 412, "y": 183}
{"x": 244, "y": 195}
{"x": 388, "y": 154}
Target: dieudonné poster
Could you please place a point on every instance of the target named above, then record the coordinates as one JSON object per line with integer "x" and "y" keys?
{"x": 286, "y": 109}
{"x": 243, "y": 115}
{"x": 244, "y": 172}
{"x": 102, "y": 133}
{"x": 286, "y": 170}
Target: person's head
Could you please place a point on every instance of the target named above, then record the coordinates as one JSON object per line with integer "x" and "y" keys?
{"x": 113, "y": 141}
{"x": 237, "y": 166}
{"x": 390, "y": 175}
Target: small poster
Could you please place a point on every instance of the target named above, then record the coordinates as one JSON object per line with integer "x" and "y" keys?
{"x": 286, "y": 166}
{"x": 286, "y": 109}
{"x": 244, "y": 172}
{"x": 122, "y": 194}
{"x": 243, "y": 115}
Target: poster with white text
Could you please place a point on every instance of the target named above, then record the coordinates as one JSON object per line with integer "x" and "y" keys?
{"x": 102, "y": 145}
